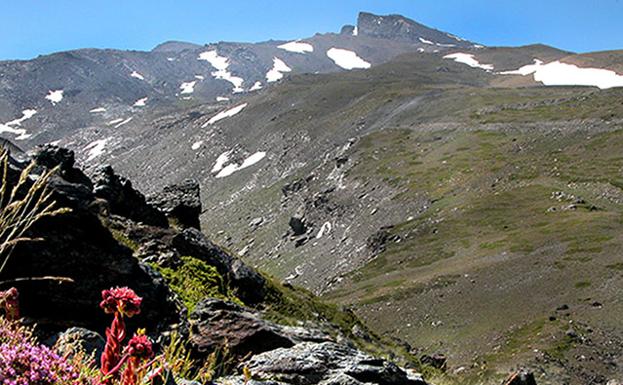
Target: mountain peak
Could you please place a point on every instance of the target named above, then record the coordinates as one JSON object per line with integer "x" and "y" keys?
{"x": 398, "y": 27}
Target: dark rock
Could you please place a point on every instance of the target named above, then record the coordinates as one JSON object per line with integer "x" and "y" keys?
{"x": 326, "y": 363}
{"x": 297, "y": 224}
{"x": 521, "y": 377}
{"x": 562, "y": 308}
{"x": 50, "y": 156}
{"x": 249, "y": 284}
{"x": 597, "y": 304}
{"x": 437, "y": 360}
{"x": 78, "y": 246}
{"x": 123, "y": 199}
{"x": 215, "y": 323}
{"x": 377, "y": 242}
{"x": 181, "y": 203}
{"x": 75, "y": 340}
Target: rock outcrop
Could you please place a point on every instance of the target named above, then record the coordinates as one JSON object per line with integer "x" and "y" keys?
{"x": 181, "y": 203}
{"x": 326, "y": 363}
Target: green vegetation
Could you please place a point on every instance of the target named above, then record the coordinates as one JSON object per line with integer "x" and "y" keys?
{"x": 195, "y": 280}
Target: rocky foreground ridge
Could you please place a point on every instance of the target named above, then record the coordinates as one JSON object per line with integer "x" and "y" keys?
{"x": 114, "y": 235}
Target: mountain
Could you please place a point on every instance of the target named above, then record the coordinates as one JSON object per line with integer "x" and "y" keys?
{"x": 464, "y": 198}
{"x": 73, "y": 90}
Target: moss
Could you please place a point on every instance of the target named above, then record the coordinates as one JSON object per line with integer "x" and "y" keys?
{"x": 582, "y": 284}
{"x": 124, "y": 240}
{"x": 194, "y": 281}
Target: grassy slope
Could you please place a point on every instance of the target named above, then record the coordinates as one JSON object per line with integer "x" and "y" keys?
{"x": 491, "y": 259}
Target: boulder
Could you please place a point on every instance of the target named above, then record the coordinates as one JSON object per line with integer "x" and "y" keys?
{"x": 521, "y": 377}
{"x": 326, "y": 363}
{"x": 181, "y": 203}
{"x": 75, "y": 340}
{"x": 123, "y": 199}
{"x": 215, "y": 323}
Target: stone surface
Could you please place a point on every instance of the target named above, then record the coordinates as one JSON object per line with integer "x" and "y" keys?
{"x": 123, "y": 199}
{"x": 181, "y": 203}
{"x": 327, "y": 363}
{"x": 75, "y": 340}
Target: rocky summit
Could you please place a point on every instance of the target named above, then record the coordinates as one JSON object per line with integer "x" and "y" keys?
{"x": 384, "y": 204}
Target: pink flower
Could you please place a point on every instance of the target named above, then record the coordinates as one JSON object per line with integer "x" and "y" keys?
{"x": 121, "y": 299}
{"x": 140, "y": 347}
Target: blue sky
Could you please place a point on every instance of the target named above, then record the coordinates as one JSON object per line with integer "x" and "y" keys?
{"x": 32, "y": 27}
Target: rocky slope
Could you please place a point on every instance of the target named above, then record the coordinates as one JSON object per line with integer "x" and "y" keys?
{"x": 112, "y": 237}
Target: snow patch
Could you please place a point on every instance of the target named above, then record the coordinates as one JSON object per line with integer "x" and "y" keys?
{"x": 256, "y": 86}
{"x": 197, "y": 145}
{"x": 325, "y": 229}
{"x": 355, "y": 31}
{"x": 276, "y": 73}
{"x": 20, "y": 132}
{"x": 221, "y": 64}
{"x": 98, "y": 109}
{"x": 346, "y": 59}
{"x": 95, "y": 148}
{"x": 199, "y": 77}
{"x": 468, "y": 59}
{"x": 123, "y": 122}
{"x": 55, "y": 96}
{"x": 563, "y": 74}
{"x": 188, "y": 87}
{"x": 221, "y": 161}
{"x": 115, "y": 121}
{"x": 141, "y": 102}
{"x": 250, "y": 161}
{"x": 426, "y": 41}
{"x": 225, "y": 114}
{"x": 297, "y": 47}
{"x": 136, "y": 75}
{"x": 222, "y": 99}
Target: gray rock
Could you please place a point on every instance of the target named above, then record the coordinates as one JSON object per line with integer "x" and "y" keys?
{"x": 181, "y": 203}
{"x": 327, "y": 363}
{"x": 75, "y": 340}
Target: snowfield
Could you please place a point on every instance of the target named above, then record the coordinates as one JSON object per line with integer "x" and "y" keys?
{"x": 563, "y": 74}
{"x": 188, "y": 87}
{"x": 297, "y": 47}
{"x": 276, "y": 73}
{"x": 468, "y": 59}
{"x": 95, "y": 148}
{"x": 221, "y": 64}
{"x": 226, "y": 114}
{"x": 136, "y": 75}
{"x": 55, "y": 96}
{"x": 250, "y": 161}
{"x": 347, "y": 59}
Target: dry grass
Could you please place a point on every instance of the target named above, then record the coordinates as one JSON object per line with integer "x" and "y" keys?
{"x": 21, "y": 206}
